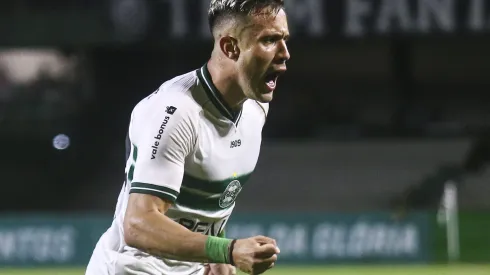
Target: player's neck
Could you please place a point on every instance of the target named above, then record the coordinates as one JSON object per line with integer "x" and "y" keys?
{"x": 225, "y": 81}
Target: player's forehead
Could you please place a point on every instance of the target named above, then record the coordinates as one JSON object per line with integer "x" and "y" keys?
{"x": 268, "y": 23}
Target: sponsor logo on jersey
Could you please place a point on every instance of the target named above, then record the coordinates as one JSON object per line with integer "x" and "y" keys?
{"x": 171, "y": 110}
{"x": 158, "y": 137}
{"x": 230, "y": 194}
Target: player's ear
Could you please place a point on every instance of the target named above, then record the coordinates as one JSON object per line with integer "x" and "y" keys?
{"x": 229, "y": 47}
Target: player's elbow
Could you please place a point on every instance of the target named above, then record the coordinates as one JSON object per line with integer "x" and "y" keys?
{"x": 132, "y": 230}
{"x": 143, "y": 215}
{"x": 135, "y": 226}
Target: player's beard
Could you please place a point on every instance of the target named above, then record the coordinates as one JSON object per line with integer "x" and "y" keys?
{"x": 255, "y": 88}
{"x": 252, "y": 71}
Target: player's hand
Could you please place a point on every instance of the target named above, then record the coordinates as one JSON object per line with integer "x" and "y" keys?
{"x": 255, "y": 255}
{"x": 219, "y": 269}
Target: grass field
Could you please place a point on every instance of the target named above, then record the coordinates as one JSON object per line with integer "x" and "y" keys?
{"x": 345, "y": 270}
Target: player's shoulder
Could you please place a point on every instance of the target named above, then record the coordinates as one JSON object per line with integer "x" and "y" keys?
{"x": 171, "y": 108}
{"x": 173, "y": 95}
{"x": 178, "y": 90}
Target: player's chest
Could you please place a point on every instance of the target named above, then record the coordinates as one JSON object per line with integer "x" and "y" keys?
{"x": 233, "y": 148}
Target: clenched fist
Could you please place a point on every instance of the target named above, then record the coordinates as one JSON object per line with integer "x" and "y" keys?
{"x": 255, "y": 255}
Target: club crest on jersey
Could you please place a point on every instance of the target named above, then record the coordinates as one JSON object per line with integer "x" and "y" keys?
{"x": 230, "y": 194}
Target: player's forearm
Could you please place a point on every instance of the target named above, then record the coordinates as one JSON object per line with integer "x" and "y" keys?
{"x": 158, "y": 235}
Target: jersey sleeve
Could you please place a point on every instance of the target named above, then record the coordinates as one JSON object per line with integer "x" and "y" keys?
{"x": 162, "y": 140}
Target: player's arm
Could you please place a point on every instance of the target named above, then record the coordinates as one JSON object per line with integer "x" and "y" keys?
{"x": 148, "y": 229}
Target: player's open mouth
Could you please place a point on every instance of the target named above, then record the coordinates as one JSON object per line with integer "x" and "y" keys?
{"x": 271, "y": 80}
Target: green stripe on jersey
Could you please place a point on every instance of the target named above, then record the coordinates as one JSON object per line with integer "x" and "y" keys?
{"x": 131, "y": 173}
{"x": 213, "y": 187}
{"x": 135, "y": 152}
{"x": 194, "y": 201}
{"x": 210, "y": 195}
{"x": 155, "y": 190}
{"x": 131, "y": 168}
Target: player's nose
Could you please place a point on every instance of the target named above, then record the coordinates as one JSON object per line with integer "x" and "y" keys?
{"x": 283, "y": 53}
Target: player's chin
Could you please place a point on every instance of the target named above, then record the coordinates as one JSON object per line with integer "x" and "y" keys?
{"x": 265, "y": 96}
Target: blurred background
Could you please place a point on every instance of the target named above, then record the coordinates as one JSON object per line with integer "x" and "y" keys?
{"x": 375, "y": 149}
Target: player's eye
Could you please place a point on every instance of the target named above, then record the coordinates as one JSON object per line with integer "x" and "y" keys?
{"x": 269, "y": 39}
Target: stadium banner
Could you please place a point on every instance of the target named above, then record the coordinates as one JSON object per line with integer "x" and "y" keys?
{"x": 304, "y": 238}
{"x": 49, "y": 240}
{"x": 336, "y": 18}
{"x": 164, "y": 21}
{"x": 340, "y": 238}
{"x": 68, "y": 240}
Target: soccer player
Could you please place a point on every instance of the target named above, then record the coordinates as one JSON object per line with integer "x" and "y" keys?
{"x": 193, "y": 144}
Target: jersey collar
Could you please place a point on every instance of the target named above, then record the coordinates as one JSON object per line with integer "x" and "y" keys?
{"x": 215, "y": 96}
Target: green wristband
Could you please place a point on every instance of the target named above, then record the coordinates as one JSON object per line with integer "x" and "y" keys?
{"x": 217, "y": 249}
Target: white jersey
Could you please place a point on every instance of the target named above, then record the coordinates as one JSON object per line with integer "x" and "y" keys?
{"x": 187, "y": 147}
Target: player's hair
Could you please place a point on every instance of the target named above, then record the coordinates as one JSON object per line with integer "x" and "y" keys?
{"x": 219, "y": 10}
